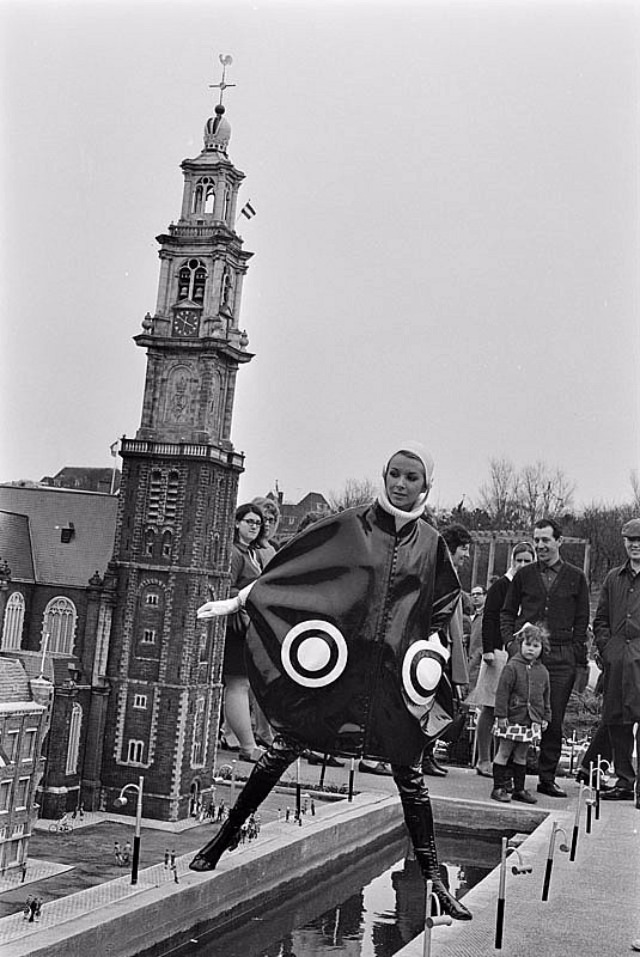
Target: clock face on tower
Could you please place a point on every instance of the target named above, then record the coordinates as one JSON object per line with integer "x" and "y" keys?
{"x": 186, "y": 322}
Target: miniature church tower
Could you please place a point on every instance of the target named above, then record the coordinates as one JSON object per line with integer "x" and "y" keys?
{"x": 177, "y": 500}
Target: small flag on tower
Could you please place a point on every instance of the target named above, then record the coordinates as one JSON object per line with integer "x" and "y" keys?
{"x": 248, "y": 210}
{"x": 114, "y": 448}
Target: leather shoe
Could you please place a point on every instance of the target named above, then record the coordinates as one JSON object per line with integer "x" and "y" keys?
{"x": 551, "y": 789}
{"x": 434, "y": 770}
{"x": 618, "y": 794}
{"x": 328, "y": 759}
{"x": 374, "y": 767}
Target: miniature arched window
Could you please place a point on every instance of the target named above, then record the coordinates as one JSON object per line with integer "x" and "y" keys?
{"x": 199, "y": 282}
{"x": 135, "y": 752}
{"x": 209, "y": 198}
{"x": 192, "y": 280}
{"x": 149, "y": 540}
{"x": 167, "y": 541}
{"x": 13, "y": 621}
{"x": 59, "y": 624}
{"x": 227, "y": 205}
{"x": 196, "y": 205}
{"x": 73, "y": 746}
{"x": 197, "y": 747}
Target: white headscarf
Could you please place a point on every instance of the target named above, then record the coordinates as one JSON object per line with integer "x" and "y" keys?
{"x": 420, "y": 452}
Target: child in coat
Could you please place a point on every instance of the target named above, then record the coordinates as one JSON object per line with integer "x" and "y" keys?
{"x": 522, "y": 712}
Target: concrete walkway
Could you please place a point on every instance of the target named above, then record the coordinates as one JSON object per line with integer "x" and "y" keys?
{"x": 593, "y": 908}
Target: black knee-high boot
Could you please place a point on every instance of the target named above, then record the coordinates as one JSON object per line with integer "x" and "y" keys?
{"x": 418, "y": 816}
{"x": 265, "y": 775}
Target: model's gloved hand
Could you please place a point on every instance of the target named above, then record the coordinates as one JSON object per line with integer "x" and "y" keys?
{"x": 225, "y": 606}
{"x": 220, "y": 608}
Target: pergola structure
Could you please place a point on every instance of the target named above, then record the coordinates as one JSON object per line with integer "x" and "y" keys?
{"x": 489, "y": 546}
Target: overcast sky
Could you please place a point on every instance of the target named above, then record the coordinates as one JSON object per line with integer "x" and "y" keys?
{"x": 446, "y": 240}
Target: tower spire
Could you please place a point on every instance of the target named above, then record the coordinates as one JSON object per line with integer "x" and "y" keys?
{"x": 226, "y": 61}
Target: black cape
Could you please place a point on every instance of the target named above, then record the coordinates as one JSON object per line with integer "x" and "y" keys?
{"x": 337, "y": 650}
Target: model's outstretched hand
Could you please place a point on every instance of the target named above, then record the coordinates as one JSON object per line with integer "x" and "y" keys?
{"x": 225, "y": 606}
{"x": 219, "y": 609}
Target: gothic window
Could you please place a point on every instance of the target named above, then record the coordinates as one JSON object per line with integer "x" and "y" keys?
{"x": 149, "y": 636}
{"x": 13, "y": 621}
{"x": 73, "y": 746}
{"x": 192, "y": 279}
{"x": 149, "y": 539}
{"x": 197, "y": 750}
{"x": 135, "y": 752}
{"x": 140, "y": 702}
{"x": 152, "y": 598}
{"x": 167, "y": 539}
{"x": 60, "y": 624}
{"x": 227, "y": 205}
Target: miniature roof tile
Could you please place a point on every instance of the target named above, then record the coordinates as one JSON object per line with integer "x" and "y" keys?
{"x": 14, "y": 684}
{"x": 49, "y": 510}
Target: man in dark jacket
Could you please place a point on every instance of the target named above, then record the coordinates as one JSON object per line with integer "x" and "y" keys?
{"x": 617, "y": 630}
{"x": 552, "y": 591}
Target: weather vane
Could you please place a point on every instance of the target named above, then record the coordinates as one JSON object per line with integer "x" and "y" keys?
{"x": 226, "y": 61}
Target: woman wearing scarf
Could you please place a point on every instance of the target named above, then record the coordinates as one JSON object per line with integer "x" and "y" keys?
{"x": 347, "y": 651}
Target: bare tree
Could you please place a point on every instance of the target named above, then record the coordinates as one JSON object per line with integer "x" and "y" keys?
{"x": 635, "y": 488}
{"x": 499, "y": 496}
{"x": 544, "y": 490}
{"x": 354, "y": 492}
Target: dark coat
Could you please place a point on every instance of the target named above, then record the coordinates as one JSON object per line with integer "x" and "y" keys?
{"x": 337, "y": 652}
{"x": 617, "y": 630}
{"x": 491, "y": 634}
{"x": 564, "y": 609}
{"x": 523, "y": 693}
{"x": 245, "y": 568}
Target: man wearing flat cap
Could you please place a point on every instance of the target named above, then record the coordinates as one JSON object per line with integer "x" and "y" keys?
{"x": 617, "y": 630}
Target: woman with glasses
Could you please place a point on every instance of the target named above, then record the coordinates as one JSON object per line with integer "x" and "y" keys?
{"x": 348, "y": 650}
{"x": 271, "y": 512}
{"x": 245, "y": 568}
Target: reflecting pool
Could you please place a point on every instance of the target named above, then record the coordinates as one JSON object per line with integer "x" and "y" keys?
{"x": 371, "y": 908}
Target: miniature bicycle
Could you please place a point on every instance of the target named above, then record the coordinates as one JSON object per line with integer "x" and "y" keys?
{"x": 61, "y": 826}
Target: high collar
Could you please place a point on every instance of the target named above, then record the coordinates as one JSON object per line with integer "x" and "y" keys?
{"x": 401, "y": 518}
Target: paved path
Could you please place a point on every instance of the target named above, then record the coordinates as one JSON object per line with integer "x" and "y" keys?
{"x": 594, "y": 909}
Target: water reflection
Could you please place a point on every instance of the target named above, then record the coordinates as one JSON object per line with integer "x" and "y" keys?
{"x": 329, "y": 919}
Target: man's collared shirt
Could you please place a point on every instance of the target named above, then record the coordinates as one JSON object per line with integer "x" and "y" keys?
{"x": 549, "y": 573}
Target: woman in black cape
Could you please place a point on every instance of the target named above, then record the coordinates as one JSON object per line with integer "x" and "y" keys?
{"x": 347, "y": 651}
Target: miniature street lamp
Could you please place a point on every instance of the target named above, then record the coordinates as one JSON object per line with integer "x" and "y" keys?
{"x": 121, "y": 801}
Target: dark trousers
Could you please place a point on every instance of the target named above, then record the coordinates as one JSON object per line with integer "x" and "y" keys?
{"x": 562, "y": 676}
{"x": 600, "y": 745}
{"x": 621, "y": 736}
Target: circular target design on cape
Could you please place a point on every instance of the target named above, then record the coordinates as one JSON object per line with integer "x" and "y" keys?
{"x": 421, "y": 672}
{"x": 314, "y": 653}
